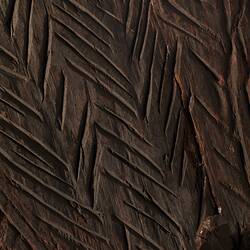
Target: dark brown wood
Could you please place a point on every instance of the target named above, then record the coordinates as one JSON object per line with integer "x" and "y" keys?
{"x": 124, "y": 124}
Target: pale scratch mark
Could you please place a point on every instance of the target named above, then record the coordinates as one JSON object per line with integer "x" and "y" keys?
{"x": 151, "y": 79}
{"x": 93, "y": 17}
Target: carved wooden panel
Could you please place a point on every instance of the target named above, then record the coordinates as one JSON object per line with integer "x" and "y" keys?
{"x": 124, "y": 124}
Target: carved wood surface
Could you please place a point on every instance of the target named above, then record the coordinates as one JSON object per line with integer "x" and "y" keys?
{"x": 124, "y": 124}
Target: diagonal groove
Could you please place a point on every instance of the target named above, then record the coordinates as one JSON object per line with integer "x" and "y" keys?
{"x": 8, "y": 72}
{"x": 140, "y": 211}
{"x": 217, "y": 76}
{"x": 134, "y": 149}
{"x": 81, "y": 23}
{"x": 34, "y": 141}
{"x": 93, "y": 17}
{"x": 93, "y": 65}
{"x": 66, "y": 197}
{"x": 141, "y": 171}
{"x": 130, "y": 126}
{"x": 107, "y": 88}
{"x": 21, "y": 103}
{"x": 95, "y": 49}
{"x": 151, "y": 79}
{"x": 146, "y": 196}
{"x": 144, "y": 237}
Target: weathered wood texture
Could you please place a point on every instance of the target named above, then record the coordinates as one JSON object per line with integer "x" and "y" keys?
{"x": 124, "y": 124}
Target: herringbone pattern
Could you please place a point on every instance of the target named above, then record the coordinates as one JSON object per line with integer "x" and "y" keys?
{"x": 124, "y": 124}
